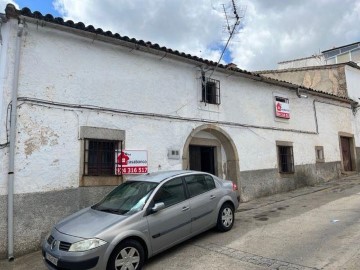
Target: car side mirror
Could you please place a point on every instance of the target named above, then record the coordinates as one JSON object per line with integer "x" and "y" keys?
{"x": 157, "y": 207}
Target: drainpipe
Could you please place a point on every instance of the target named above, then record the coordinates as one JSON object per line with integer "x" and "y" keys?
{"x": 12, "y": 143}
{"x": 315, "y": 117}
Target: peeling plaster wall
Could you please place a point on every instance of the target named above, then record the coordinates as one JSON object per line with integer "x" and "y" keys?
{"x": 329, "y": 80}
{"x": 48, "y": 149}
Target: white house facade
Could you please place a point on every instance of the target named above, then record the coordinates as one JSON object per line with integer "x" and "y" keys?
{"x": 82, "y": 96}
{"x": 338, "y": 79}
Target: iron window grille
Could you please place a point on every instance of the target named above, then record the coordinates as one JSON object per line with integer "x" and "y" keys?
{"x": 286, "y": 159}
{"x": 100, "y": 157}
{"x": 210, "y": 90}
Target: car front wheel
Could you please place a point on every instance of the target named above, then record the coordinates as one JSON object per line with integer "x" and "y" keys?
{"x": 225, "y": 218}
{"x": 129, "y": 254}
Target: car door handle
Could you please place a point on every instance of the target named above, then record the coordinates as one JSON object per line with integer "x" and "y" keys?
{"x": 212, "y": 197}
{"x": 185, "y": 208}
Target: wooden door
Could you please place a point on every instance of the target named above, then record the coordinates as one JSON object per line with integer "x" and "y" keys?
{"x": 346, "y": 153}
{"x": 202, "y": 158}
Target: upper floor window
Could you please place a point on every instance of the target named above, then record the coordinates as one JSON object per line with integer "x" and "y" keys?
{"x": 355, "y": 56}
{"x": 210, "y": 90}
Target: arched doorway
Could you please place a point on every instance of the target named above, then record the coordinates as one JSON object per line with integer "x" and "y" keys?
{"x": 209, "y": 148}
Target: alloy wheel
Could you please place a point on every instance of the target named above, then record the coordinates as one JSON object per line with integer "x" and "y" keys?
{"x": 127, "y": 259}
{"x": 227, "y": 217}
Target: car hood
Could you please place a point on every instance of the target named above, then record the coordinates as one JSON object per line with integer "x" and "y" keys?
{"x": 88, "y": 223}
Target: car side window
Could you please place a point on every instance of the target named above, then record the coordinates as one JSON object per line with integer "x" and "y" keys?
{"x": 171, "y": 193}
{"x": 209, "y": 182}
{"x": 196, "y": 184}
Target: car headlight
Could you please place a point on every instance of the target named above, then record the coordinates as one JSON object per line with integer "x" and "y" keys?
{"x": 87, "y": 244}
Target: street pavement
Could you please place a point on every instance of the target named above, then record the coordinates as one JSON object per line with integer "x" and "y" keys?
{"x": 309, "y": 228}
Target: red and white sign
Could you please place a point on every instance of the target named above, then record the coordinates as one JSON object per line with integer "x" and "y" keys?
{"x": 282, "y": 109}
{"x": 131, "y": 162}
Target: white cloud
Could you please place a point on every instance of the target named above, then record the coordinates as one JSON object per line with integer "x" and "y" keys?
{"x": 283, "y": 30}
{"x": 3, "y": 4}
{"x": 188, "y": 26}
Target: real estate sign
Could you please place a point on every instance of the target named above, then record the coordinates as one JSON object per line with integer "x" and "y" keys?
{"x": 282, "y": 109}
{"x": 131, "y": 162}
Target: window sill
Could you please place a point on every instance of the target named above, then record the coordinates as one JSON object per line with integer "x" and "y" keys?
{"x": 93, "y": 181}
{"x": 209, "y": 103}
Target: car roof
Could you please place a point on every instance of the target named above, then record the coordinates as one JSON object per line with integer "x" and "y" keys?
{"x": 160, "y": 176}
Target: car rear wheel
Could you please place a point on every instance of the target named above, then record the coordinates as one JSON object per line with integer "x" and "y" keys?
{"x": 128, "y": 255}
{"x": 225, "y": 218}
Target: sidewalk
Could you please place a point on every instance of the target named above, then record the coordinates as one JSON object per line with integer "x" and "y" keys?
{"x": 342, "y": 183}
{"x": 34, "y": 260}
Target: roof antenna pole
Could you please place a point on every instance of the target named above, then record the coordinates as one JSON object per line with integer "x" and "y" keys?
{"x": 231, "y": 31}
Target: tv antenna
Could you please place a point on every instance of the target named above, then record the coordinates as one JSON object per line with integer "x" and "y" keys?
{"x": 232, "y": 25}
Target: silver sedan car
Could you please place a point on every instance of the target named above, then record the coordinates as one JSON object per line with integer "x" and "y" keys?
{"x": 140, "y": 218}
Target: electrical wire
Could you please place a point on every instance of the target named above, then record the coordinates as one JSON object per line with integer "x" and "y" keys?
{"x": 62, "y": 105}
{"x": 3, "y": 145}
{"x": 155, "y": 115}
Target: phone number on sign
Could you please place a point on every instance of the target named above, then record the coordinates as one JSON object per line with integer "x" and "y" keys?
{"x": 283, "y": 115}
{"x": 132, "y": 170}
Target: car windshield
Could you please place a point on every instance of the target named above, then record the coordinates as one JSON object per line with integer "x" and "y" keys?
{"x": 127, "y": 199}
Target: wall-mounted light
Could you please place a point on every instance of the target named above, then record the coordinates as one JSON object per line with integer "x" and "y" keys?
{"x": 300, "y": 95}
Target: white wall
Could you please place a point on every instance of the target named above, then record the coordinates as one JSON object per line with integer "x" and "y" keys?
{"x": 353, "y": 88}
{"x": 353, "y": 82}
{"x": 317, "y": 60}
{"x": 62, "y": 67}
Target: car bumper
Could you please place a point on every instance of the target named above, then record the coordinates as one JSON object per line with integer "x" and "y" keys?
{"x": 69, "y": 264}
{"x": 54, "y": 258}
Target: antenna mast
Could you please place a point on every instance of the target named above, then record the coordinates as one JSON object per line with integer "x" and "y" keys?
{"x": 231, "y": 29}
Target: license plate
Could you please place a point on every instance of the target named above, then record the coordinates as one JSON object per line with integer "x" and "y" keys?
{"x": 51, "y": 259}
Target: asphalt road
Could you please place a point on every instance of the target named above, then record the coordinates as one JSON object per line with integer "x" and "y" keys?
{"x": 310, "y": 228}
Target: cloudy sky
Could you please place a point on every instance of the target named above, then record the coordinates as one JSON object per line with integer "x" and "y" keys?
{"x": 270, "y": 30}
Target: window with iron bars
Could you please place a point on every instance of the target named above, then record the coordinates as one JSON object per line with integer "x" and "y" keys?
{"x": 100, "y": 157}
{"x": 286, "y": 159}
{"x": 210, "y": 90}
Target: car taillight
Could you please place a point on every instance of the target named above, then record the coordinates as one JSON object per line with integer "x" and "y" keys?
{"x": 234, "y": 186}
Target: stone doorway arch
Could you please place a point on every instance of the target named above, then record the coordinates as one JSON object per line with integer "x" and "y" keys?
{"x": 229, "y": 167}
